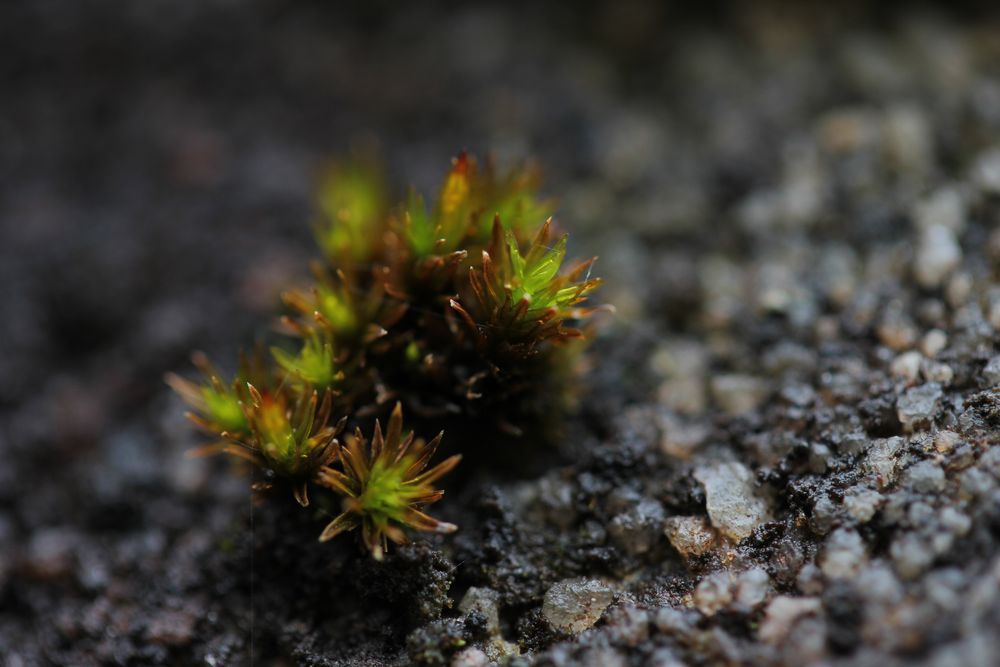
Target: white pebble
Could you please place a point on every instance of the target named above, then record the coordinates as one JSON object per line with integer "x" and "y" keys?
{"x": 938, "y": 254}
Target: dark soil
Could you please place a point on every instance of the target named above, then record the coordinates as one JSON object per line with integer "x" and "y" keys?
{"x": 786, "y": 451}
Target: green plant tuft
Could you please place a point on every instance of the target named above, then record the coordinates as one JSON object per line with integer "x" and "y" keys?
{"x": 457, "y": 310}
{"x": 385, "y": 483}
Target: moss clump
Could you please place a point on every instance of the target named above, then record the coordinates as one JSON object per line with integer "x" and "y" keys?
{"x": 457, "y": 311}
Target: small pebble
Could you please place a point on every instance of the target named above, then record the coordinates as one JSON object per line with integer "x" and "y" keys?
{"x": 752, "y": 587}
{"x": 51, "y": 553}
{"x": 862, "y": 503}
{"x": 959, "y": 289}
{"x": 628, "y": 625}
{"x": 798, "y": 394}
{"x": 690, "y": 535}
{"x": 986, "y": 171}
{"x": 809, "y": 580}
{"x": 782, "y": 614}
{"x": 895, "y": 330}
{"x": 925, "y": 477}
{"x": 674, "y": 622}
{"x": 935, "y": 371}
{"x": 906, "y": 366}
{"x": 911, "y": 555}
{"x": 991, "y": 372}
{"x": 470, "y": 657}
{"x": 664, "y": 657}
{"x": 918, "y": 406}
{"x": 637, "y": 529}
{"x": 933, "y": 342}
{"x": 945, "y": 441}
{"x": 681, "y": 439}
{"x": 738, "y": 394}
{"x": 483, "y": 601}
{"x": 938, "y": 254}
{"x": 878, "y": 583}
{"x": 945, "y": 207}
{"x": 975, "y": 483}
{"x": 825, "y": 513}
{"x": 714, "y": 593}
{"x": 881, "y": 460}
{"x": 573, "y": 605}
{"x": 733, "y": 506}
{"x": 498, "y": 649}
{"x": 955, "y": 521}
{"x": 844, "y": 554}
{"x": 172, "y": 628}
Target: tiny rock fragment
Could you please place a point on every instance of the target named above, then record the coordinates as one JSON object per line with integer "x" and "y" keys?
{"x": 844, "y": 554}
{"x": 825, "y": 514}
{"x": 685, "y": 395}
{"x": 882, "y": 460}
{"x": 945, "y": 441}
{"x": 918, "y": 406}
{"x": 679, "y": 438}
{"x": 809, "y": 580}
{"x": 938, "y": 254}
{"x": 171, "y": 628}
{"x": 945, "y": 207}
{"x": 911, "y": 555}
{"x": 895, "y": 329}
{"x": 714, "y": 593}
{"x": 782, "y": 614}
{"x": 470, "y": 657}
{"x": 986, "y": 170}
{"x": 733, "y": 506}
{"x": 906, "y": 366}
{"x": 752, "y": 587}
{"x": 498, "y": 649}
{"x": 925, "y": 477}
{"x": 959, "y": 289}
{"x": 628, "y": 625}
{"x": 935, "y": 371}
{"x": 862, "y": 503}
{"x": 483, "y": 601}
{"x": 573, "y": 605}
{"x": 878, "y": 583}
{"x": 681, "y": 364}
{"x": 955, "y": 521}
{"x": 674, "y": 622}
{"x": 51, "y": 554}
{"x": 933, "y": 342}
{"x": 637, "y": 529}
{"x": 690, "y": 535}
{"x": 991, "y": 372}
{"x": 738, "y": 394}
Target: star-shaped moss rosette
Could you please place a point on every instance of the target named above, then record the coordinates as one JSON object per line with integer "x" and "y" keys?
{"x": 279, "y": 430}
{"x": 217, "y": 405}
{"x": 290, "y": 436}
{"x": 523, "y": 299}
{"x": 316, "y": 364}
{"x": 467, "y": 203}
{"x": 337, "y": 304}
{"x": 385, "y": 484}
{"x": 351, "y": 203}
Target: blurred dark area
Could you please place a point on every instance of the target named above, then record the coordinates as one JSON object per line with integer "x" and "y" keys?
{"x": 157, "y": 167}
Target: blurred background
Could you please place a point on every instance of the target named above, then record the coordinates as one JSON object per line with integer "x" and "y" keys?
{"x": 157, "y": 163}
